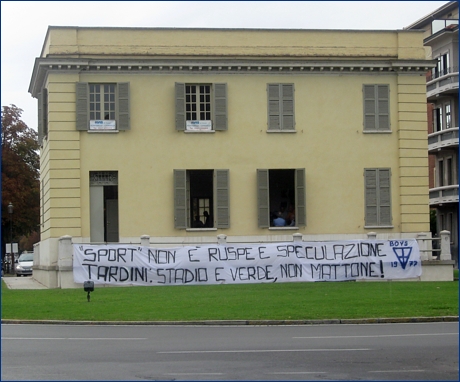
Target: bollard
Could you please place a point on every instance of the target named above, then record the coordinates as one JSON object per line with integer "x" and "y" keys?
{"x": 445, "y": 246}
{"x": 221, "y": 239}
{"x": 297, "y": 237}
{"x": 145, "y": 240}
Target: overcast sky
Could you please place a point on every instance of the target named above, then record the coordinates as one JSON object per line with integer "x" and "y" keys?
{"x": 24, "y": 25}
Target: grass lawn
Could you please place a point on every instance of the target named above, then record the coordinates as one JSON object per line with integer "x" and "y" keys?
{"x": 283, "y": 301}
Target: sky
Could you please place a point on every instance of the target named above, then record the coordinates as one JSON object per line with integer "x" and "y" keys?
{"x": 24, "y": 25}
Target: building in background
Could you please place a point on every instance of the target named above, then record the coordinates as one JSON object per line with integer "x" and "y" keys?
{"x": 182, "y": 135}
{"x": 441, "y": 39}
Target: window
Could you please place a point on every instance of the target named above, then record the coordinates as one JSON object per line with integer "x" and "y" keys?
{"x": 376, "y": 108}
{"x": 377, "y": 197}
{"x": 201, "y": 107}
{"x": 201, "y": 199}
{"x": 103, "y": 206}
{"x": 281, "y": 192}
{"x": 280, "y": 107}
{"x": 449, "y": 172}
{"x": 103, "y": 107}
{"x": 438, "y": 119}
{"x": 448, "y": 117}
{"x": 442, "y": 66}
{"x": 441, "y": 173}
{"x": 42, "y": 115}
{"x": 102, "y": 102}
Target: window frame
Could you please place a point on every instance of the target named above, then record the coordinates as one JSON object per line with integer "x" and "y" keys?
{"x": 376, "y": 108}
{"x": 382, "y": 200}
{"x": 218, "y": 106}
{"x": 221, "y": 199}
{"x": 122, "y": 106}
{"x": 263, "y": 198}
{"x": 281, "y": 107}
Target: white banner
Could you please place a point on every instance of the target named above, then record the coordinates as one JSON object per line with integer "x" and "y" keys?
{"x": 247, "y": 263}
{"x": 198, "y": 125}
{"x": 100, "y": 124}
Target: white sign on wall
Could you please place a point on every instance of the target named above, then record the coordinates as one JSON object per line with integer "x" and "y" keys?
{"x": 198, "y": 125}
{"x": 247, "y": 263}
{"x": 100, "y": 124}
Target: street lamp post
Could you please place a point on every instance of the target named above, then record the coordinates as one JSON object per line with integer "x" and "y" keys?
{"x": 10, "y": 212}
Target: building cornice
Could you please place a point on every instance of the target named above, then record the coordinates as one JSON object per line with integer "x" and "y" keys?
{"x": 44, "y": 66}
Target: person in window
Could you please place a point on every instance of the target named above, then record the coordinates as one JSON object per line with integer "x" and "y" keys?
{"x": 198, "y": 223}
{"x": 279, "y": 221}
{"x": 207, "y": 221}
{"x": 290, "y": 220}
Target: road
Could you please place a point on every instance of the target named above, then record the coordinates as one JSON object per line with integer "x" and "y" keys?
{"x": 419, "y": 351}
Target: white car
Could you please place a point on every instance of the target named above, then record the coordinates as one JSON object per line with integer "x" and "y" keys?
{"x": 25, "y": 264}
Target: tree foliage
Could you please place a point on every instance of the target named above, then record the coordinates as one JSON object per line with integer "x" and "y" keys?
{"x": 20, "y": 175}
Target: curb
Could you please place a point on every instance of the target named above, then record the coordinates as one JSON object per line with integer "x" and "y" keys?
{"x": 243, "y": 322}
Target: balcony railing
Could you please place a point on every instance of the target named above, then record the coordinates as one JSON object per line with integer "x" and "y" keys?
{"x": 432, "y": 76}
{"x": 442, "y": 82}
{"x": 443, "y": 195}
{"x": 447, "y": 138}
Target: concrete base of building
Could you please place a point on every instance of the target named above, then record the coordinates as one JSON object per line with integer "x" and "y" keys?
{"x": 437, "y": 270}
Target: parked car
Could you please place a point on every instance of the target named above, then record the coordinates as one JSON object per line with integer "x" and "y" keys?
{"x": 25, "y": 264}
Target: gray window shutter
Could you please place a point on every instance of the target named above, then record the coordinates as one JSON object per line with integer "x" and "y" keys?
{"x": 369, "y": 107}
{"x": 300, "y": 201}
{"x": 180, "y": 106}
{"x": 40, "y": 117}
{"x": 82, "y": 105}
{"x": 222, "y": 199}
{"x": 377, "y": 197}
{"x": 383, "y": 107}
{"x": 376, "y": 107}
{"x": 263, "y": 199}
{"x": 220, "y": 107}
{"x": 371, "y": 206}
{"x": 287, "y": 107}
{"x": 274, "y": 112}
{"x": 180, "y": 199}
{"x": 123, "y": 122}
{"x": 385, "y": 197}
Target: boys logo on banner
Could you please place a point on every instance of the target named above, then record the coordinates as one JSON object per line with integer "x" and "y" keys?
{"x": 247, "y": 263}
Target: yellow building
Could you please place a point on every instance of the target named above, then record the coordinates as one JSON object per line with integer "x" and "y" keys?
{"x": 145, "y": 131}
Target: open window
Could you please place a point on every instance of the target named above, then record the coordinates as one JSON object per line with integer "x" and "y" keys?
{"x": 201, "y": 199}
{"x": 281, "y": 196}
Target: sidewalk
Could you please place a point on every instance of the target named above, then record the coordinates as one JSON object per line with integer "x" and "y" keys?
{"x": 25, "y": 282}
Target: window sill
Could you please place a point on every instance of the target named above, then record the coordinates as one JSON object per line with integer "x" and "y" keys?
{"x": 378, "y": 226}
{"x": 282, "y": 131}
{"x": 103, "y": 131}
{"x": 199, "y": 131}
{"x": 200, "y": 229}
{"x": 377, "y": 132}
{"x": 288, "y": 228}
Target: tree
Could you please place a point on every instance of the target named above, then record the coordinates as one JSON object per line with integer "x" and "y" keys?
{"x": 20, "y": 175}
